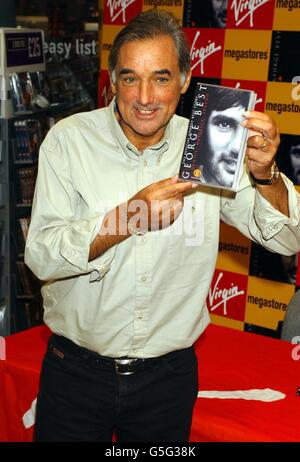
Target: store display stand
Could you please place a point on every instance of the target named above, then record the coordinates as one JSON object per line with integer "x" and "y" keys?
{"x": 26, "y": 115}
{"x": 4, "y": 231}
{"x": 21, "y": 50}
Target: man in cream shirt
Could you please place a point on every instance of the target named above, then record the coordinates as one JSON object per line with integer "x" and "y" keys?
{"x": 127, "y": 252}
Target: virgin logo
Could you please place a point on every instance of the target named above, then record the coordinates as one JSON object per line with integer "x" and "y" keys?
{"x": 199, "y": 55}
{"x": 220, "y": 296}
{"x": 118, "y": 7}
{"x": 245, "y": 8}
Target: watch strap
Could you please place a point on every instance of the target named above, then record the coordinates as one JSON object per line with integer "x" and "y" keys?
{"x": 267, "y": 181}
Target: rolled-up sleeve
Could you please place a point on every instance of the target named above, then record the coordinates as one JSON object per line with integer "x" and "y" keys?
{"x": 269, "y": 220}
{"x": 58, "y": 242}
{"x": 256, "y": 218}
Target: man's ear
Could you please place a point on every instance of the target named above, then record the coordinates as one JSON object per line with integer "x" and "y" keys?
{"x": 186, "y": 83}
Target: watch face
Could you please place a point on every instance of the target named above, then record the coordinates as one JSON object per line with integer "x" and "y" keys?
{"x": 273, "y": 178}
{"x": 274, "y": 173}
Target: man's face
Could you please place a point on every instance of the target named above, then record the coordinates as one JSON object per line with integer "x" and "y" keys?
{"x": 147, "y": 88}
{"x": 220, "y": 9}
{"x": 295, "y": 161}
{"x": 224, "y": 134}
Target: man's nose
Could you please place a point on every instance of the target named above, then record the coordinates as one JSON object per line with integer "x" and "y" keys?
{"x": 145, "y": 93}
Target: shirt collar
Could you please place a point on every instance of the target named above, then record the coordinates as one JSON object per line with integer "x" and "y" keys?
{"x": 128, "y": 148}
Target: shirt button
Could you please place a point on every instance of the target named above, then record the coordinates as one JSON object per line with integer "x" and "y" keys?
{"x": 145, "y": 163}
{"x": 143, "y": 278}
{"x": 140, "y": 316}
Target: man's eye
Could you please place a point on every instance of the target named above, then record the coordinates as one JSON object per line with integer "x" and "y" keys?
{"x": 129, "y": 80}
{"x": 162, "y": 80}
{"x": 224, "y": 124}
{"x": 295, "y": 152}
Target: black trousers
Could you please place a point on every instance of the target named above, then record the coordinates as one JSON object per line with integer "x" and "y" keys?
{"x": 83, "y": 398}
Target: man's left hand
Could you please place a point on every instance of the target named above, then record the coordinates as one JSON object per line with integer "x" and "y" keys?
{"x": 262, "y": 143}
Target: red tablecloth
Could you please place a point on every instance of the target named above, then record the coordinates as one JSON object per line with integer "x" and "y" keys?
{"x": 19, "y": 377}
{"x": 228, "y": 360}
{"x": 234, "y": 360}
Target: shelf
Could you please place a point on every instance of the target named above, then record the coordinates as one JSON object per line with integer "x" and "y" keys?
{"x": 25, "y": 162}
{"x": 55, "y": 109}
{"x": 19, "y": 206}
{"x": 27, "y": 297}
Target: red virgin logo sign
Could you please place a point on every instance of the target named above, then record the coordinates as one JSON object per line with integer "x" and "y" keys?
{"x": 206, "y": 51}
{"x": 120, "y": 12}
{"x": 105, "y": 94}
{"x": 250, "y": 14}
{"x": 227, "y": 295}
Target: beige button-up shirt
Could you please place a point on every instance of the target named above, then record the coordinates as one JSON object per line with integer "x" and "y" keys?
{"x": 145, "y": 296}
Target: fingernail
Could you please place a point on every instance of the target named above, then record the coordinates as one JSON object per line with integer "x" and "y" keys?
{"x": 246, "y": 114}
{"x": 195, "y": 185}
{"x": 175, "y": 178}
{"x": 244, "y": 123}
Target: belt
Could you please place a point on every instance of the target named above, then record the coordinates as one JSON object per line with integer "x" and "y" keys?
{"x": 60, "y": 346}
{"x": 129, "y": 366}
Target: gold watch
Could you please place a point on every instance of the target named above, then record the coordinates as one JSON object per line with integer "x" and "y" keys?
{"x": 275, "y": 173}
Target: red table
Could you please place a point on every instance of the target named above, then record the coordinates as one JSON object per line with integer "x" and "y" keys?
{"x": 228, "y": 360}
{"x": 234, "y": 360}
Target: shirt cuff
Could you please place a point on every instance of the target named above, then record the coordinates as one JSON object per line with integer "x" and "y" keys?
{"x": 75, "y": 248}
{"x": 271, "y": 221}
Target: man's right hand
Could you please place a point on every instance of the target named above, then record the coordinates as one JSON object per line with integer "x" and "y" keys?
{"x": 155, "y": 207}
{"x": 158, "y": 205}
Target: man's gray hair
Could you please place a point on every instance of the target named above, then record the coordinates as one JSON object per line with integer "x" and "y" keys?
{"x": 148, "y": 25}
